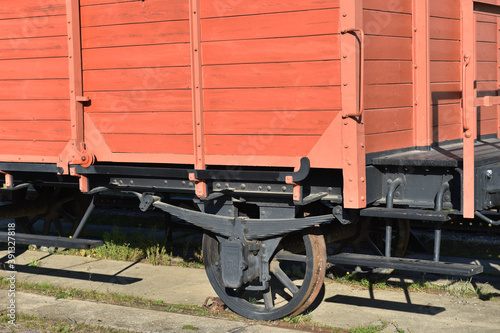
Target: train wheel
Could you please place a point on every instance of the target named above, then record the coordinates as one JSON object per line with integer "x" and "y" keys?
{"x": 297, "y": 268}
{"x": 66, "y": 207}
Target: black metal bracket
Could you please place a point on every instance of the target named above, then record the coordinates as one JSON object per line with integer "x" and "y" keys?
{"x": 261, "y": 176}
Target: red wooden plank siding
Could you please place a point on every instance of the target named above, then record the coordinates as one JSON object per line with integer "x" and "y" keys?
{"x": 31, "y": 8}
{"x": 445, "y": 69}
{"x": 34, "y": 85}
{"x": 487, "y": 72}
{"x": 271, "y": 76}
{"x": 136, "y": 60}
{"x": 388, "y": 75}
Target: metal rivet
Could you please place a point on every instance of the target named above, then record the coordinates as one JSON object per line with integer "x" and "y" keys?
{"x": 243, "y": 186}
{"x": 269, "y": 188}
{"x": 283, "y": 188}
{"x": 218, "y": 185}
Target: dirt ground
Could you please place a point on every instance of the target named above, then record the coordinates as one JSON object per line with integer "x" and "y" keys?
{"x": 344, "y": 306}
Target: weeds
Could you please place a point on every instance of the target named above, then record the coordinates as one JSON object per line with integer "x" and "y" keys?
{"x": 34, "y": 262}
{"x": 140, "y": 247}
{"x": 32, "y": 323}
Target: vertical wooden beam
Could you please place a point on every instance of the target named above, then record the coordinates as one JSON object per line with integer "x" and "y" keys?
{"x": 353, "y": 132}
{"x": 75, "y": 72}
{"x": 197, "y": 93}
{"x": 422, "y": 111}
{"x": 468, "y": 34}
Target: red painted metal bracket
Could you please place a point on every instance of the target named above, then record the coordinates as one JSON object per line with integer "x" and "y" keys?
{"x": 297, "y": 188}
{"x": 9, "y": 179}
{"x": 470, "y": 102}
{"x": 468, "y": 92}
{"x": 200, "y": 186}
{"x": 197, "y": 96}
{"x": 75, "y": 151}
{"x": 353, "y": 131}
{"x": 421, "y": 74}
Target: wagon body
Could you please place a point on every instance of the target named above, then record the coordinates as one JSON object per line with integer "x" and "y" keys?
{"x": 271, "y": 108}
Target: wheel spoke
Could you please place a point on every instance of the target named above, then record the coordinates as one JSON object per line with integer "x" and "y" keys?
{"x": 268, "y": 299}
{"x": 289, "y": 256}
{"x": 284, "y": 279}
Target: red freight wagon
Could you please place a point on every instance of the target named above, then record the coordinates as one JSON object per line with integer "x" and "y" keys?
{"x": 287, "y": 122}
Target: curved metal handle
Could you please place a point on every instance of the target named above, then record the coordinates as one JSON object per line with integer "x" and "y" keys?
{"x": 361, "y": 74}
{"x": 466, "y": 63}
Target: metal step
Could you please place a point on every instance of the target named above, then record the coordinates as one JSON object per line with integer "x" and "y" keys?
{"x": 402, "y": 213}
{"x": 40, "y": 240}
{"x": 405, "y": 264}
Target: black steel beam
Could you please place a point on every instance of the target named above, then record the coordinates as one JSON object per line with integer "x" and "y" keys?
{"x": 402, "y": 213}
{"x": 404, "y": 264}
{"x": 40, "y": 240}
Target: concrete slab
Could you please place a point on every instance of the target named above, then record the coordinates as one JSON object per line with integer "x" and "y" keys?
{"x": 342, "y": 306}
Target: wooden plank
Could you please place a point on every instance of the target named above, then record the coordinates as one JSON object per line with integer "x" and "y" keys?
{"x": 487, "y": 88}
{"x": 267, "y": 99}
{"x": 289, "y": 74}
{"x": 486, "y": 18}
{"x": 272, "y": 50}
{"x": 134, "y": 12}
{"x": 400, "y": 6}
{"x": 137, "y": 101}
{"x": 269, "y": 123}
{"x": 34, "y": 89}
{"x": 442, "y": 28}
{"x": 31, "y": 8}
{"x": 168, "y": 123}
{"x": 387, "y": 24}
{"x": 34, "y": 110}
{"x": 446, "y": 93}
{"x": 445, "y": 50}
{"x": 261, "y": 145}
{"x": 30, "y": 27}
{"x": 162, "y": 78}
{"x": 487, "y": 127}
{"x": 150, "y": 143}
{"x": 388, "y": 48}
{"x": 445, "y": 71}
{"x": 486, "y": 71}
{"x": 33, "y": 48}
{"x": 44, "y": 68}
{"x": 487, "y": 113}
{"x": 446, "y": 114}
{"x": 35, "y": 131}
{"x": 137, "y": 56}
{"x": 447, "y": 133}
{"x": 223, "y": 8}
{"x": 388, "y": 141}
{"x": 136, "y": 34}
{"x": 36, "y": 148}
{"x": 388, "y": 120}
{"x": 388, "y": 96}
{"x": 289, "y": 24}
{"x": 387, "y": 72}
{"x": 486, "y": 51}
{"x": 486, "y": 32}
{"x": 445, "y": 8}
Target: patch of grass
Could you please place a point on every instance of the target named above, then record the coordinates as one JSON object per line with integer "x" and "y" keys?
{"x": 370, "y": 328}
{"x": 190, "y": 328}
{"x": 111, "y": 298}
{"x": 140, "y": 247}
{"x": 34, "y": 262}
{"x": 33, "y": 323}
